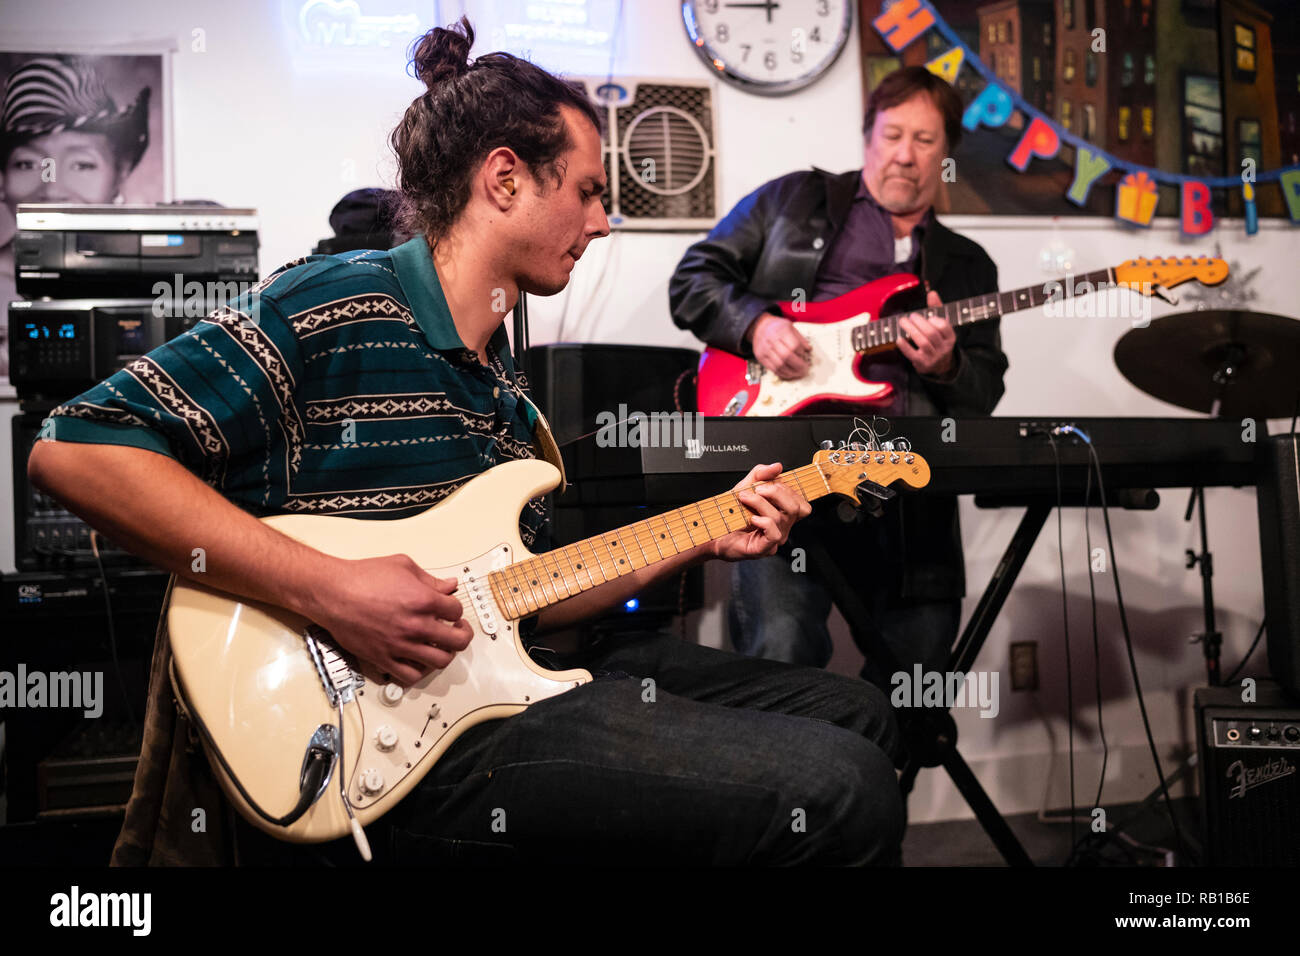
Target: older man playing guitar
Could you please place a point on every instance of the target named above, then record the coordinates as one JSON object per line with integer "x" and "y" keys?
{"x": 811, "y": 236}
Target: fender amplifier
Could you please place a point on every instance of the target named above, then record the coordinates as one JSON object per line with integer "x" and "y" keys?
{"x": 1250, "y": 776}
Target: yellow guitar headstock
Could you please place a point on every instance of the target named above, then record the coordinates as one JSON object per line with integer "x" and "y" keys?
{"x": 847, "y": 468}
{"x": 1142, "y": 275}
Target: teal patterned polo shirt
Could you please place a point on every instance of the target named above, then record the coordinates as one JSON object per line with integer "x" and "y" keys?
{"x": 337, "y": 386}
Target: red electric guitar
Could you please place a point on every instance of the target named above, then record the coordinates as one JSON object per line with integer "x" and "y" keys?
{"x": 844, "y": 330}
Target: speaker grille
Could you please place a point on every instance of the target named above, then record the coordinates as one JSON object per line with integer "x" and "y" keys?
{"x": 1250, "y": 782}
{"x": 660, "y": 153}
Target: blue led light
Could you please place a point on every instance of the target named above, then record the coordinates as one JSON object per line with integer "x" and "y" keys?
{"x": 632, "y": 604}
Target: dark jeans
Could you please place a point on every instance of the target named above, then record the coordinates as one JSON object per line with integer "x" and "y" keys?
{"x": 698, "y": 757}
{"x": 779, "y": 606}
{"x": 721, "y": 759}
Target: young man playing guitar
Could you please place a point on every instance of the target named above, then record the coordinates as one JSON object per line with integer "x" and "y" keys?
{"x": 810, "y": 236}
{"x": 373, "y": 385}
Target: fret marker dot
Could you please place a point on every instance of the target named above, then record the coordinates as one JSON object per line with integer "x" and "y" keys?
{"x": 695, "y": 524}
{"x": 534, "y": 582}
{"x": 620, "y": 560}
{"x": 555, "y": 574}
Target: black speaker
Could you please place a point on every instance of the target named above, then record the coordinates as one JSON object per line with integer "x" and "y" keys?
{"x": 573, "y": 383}
{"x": 1277, "y": 495}
{"x": 1250, "y": 776}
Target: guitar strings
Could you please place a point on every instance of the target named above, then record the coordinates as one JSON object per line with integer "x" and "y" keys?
{"x": 797, "y": 476}
{"x": 573, "y": 584}
{"x": 515, "y": 576}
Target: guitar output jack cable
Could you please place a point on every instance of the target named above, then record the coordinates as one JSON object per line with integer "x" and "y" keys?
{"x": 358, "y": 834}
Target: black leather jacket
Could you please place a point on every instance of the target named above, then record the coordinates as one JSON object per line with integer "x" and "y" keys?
{"x": 771, "y": 244}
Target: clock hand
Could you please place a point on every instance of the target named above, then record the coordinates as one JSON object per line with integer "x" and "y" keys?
{"x": 769, "y": 6}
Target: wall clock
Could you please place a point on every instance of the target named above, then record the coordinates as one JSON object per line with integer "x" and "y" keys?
{"x": 771, "y": 47}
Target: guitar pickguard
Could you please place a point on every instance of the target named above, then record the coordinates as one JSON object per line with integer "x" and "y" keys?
{"x": 831, "y": 375}
{"x": 404, "y": 728}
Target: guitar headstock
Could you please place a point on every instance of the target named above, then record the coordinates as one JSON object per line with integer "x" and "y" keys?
{"x": 845, "y": 469}
{"x": 1143, "y": 275}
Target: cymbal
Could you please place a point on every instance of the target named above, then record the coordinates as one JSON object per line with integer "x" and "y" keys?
{"x": 1185, "y": 358}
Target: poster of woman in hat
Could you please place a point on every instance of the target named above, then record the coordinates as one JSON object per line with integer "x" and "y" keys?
{"x": 75, "y": 129}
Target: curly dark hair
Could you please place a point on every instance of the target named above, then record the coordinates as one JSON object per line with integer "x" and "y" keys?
{"x": 468, "y": 110}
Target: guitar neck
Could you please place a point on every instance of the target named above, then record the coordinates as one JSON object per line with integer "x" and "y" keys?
{"x": 529, "y": 586}
{"x": 883, "y": 332}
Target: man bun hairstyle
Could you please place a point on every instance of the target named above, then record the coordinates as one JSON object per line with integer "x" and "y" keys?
{"x": 903, "y": 84}
{"x": 467, "y": 110}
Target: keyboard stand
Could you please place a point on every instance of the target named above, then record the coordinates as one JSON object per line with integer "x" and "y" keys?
{"x": 931, "y": 733}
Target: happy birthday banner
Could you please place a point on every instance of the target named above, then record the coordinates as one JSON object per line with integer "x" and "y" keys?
{"x": 1137, "y": 191}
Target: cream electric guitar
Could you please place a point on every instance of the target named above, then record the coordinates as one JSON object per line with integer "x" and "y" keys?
{"x": 308, "y": 747}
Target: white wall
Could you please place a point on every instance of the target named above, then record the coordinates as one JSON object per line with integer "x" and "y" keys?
{"x": 251, "y": 129}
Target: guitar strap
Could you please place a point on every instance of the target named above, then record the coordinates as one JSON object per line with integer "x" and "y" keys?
{"x": 544, "y": 442}
{"x": 920, "y": 270}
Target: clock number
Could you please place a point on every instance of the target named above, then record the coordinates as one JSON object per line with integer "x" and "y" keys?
{"x": 767, "y": 59}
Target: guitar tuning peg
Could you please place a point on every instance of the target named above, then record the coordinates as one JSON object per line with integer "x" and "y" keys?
{"x": 828, "y": 445}
{"x": 843, "y": 445}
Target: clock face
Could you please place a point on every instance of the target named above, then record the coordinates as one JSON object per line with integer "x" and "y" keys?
{"x": 770, "y": 47}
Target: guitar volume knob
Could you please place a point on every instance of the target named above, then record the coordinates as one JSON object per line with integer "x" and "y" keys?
{"x": 372, "y": 782}
{"x": 391, "y": 694}
{"x": 386, "y": 738}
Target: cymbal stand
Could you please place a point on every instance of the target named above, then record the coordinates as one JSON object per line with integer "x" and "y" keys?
{"x": 1211, "y": 640}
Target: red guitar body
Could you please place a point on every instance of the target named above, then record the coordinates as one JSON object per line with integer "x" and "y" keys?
{"x": 731, "y": 385}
